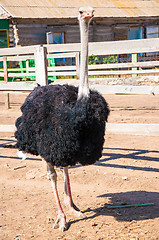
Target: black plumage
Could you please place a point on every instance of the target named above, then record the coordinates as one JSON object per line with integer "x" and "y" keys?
{"x": 60, "y": 128}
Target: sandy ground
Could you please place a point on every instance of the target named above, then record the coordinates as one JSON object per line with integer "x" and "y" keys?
{"x": 127, "y": 173}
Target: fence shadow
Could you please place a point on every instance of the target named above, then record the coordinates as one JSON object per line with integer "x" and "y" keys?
{"x": 11, "y": 144}
{"x": 136, "y": 154}
{"x": 109, "y": 154}
{"x": 126, "y": 214}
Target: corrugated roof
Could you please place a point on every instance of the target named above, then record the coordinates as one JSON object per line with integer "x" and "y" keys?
{"x": 69, "y": 9}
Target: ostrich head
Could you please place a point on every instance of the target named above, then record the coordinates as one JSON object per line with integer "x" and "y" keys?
{"x": 84, "y": 17}
{"x": 86, "y": 14}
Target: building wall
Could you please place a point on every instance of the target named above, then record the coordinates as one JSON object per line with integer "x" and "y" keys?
{"x": 11, "y": 35}
{"x": 31, "y": 32}
{"x": 35, "y": 33}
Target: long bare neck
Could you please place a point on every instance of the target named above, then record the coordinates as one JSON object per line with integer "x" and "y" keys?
{"x": 83, "y": 90}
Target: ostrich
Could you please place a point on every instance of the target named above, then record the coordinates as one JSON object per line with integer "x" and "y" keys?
{"x": 65, "y": 125}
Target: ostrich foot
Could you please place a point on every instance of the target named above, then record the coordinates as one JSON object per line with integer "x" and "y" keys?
{"x": 76, "y": 213}
{"x": 74, "y": 210}
{"x": 61, "y": 223}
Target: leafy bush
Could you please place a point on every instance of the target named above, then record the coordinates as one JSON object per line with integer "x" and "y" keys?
{"x": 109, "y": 59}
{"x": 92, "y": 60}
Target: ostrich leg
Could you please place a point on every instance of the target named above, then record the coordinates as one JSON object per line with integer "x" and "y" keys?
{"x": 68, "y": 196}
{"x": 61, "y": 218}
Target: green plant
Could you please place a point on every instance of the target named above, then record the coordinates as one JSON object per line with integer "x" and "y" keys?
{"x": 109, "y": 59}
{"x": 93, "y": 60}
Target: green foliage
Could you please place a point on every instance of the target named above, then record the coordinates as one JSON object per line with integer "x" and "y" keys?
{"x": 92, "y": 60}
{"x": 109, "y": 59}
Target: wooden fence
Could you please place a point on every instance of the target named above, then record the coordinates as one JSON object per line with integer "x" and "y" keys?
{"x": 40, "y": 54}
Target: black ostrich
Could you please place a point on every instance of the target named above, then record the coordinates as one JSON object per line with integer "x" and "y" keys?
{"x": 65, "y": 125}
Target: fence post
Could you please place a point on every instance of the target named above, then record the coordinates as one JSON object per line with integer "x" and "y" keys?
{"x": 5, "y": 69}
{"x": 134, "y": 60}
{"x": 41, "y": 65}
{"x": 77, "y": 65}
{"x": 7, "y": 101}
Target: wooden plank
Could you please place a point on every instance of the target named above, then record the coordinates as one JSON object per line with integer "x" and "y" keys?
{"x": 26, "y": 57}
{"x": 124, "y": 65}
{"x": 134, "y": 128}
{"x": 49, "y": 74}
{"x": 18, "y": 58}
{"x": 7, "y": 128}
{"x": 7, "y": 101}
{"x": 90, "y": 73}
{"x": 126, "y": 128}
{"x": 122, "y": 72}
{"x": 5, "y": 69}
{"x": 61, "y": 68}
{"x": 134, "y": 60}
{"x": 21, "y": 74}
{"x": 103, "y": 89}
{"x": 55, "y": 68}
{"x": 104, "y": 48}
{"x": 41, "y": 65}
{"x": 125, "y": 89}
{"x": 61, "y": 73}
{"x": 62, "y": 55}
{"x": 67, "y": 47}
{"x": 17, "y": 50}
{"x": 17, "y": 86}
{"x": 1, "y": 74}
{"x": 110, "y": 48}
{"x": 124, "y": 47}
{"x": 77, "y": 66}
{"x": 27, "y": 66}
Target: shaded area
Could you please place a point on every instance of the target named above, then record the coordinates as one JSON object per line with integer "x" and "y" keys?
{"x": 7, "y": 143}
{"x": 132, "y": 213}
{"x": 9, "y": 157}
{"x": 134, "y": 155}
{"x": 127, "y": 214}
{"x": 134, "y": 109}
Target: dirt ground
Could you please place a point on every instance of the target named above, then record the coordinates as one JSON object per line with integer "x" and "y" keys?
{"x": 127, "y": 173}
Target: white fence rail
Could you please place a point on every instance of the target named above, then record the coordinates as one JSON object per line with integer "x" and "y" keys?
{"x": 42, "y": 53}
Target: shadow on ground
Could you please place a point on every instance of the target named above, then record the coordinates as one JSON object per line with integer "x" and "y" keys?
{"x": 134, "y": 154}
{"x": 110, "y": 155}
{"x": 126, "y": 214}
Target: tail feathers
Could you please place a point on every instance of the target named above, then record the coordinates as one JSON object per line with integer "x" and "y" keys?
{"x": 21, "y": 155}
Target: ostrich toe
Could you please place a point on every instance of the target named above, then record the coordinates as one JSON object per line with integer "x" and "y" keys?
{"x": 61, "y": 223}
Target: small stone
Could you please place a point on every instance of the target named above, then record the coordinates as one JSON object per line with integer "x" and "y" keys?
{"x": 49, "y": 220}
{"x": 94, "y": 224}
{"x": 30, "y": 175}
{"x": 124, "y": 178}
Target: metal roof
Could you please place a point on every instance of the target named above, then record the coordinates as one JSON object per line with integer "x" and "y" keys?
{"x": 69, "y": 9}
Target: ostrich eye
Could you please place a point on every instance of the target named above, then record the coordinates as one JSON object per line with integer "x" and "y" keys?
{"x": 80, "y": 12}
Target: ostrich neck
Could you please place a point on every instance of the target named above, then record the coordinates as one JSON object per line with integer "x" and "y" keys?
{"x": 83, "y": 90}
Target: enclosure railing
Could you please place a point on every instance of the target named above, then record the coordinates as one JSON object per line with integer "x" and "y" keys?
{"x": 104, "y": 67}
